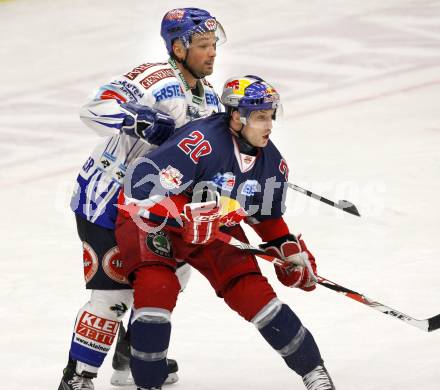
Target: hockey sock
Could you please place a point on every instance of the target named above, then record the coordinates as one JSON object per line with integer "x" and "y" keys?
{"x": 149, "y": 338}
{"x": 97, "y": 325}
{"x": 283, "y": 330}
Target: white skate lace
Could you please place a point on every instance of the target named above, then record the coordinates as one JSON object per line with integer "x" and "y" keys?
{"x": 318, "y": 379}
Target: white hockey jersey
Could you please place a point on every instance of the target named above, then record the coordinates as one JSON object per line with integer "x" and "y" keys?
{"x": 160, "y": 86}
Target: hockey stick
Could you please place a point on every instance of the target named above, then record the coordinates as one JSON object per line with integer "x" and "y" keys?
{"x": 428, "y": 325}
{"x": 343, "y": 205}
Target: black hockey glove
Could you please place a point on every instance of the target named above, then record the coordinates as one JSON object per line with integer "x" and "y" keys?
{"x": 152, "y": 126}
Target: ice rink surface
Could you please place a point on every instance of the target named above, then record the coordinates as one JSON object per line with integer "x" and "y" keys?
{"x": 360, "y": 82}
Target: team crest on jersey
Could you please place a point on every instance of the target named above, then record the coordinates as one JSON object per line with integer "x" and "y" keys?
{"x": 113, "y": 265}
{"x": 170, "y": 178}
{"x": 250, "y": 187}
{"x": 224, "y": 181}
{"x": 159, "y": 244}
{"x": 90, "y": 261}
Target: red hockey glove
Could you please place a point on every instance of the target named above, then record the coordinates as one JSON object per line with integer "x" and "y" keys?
{"x": 201, "y": 221}
{"x": 300, "y": 268}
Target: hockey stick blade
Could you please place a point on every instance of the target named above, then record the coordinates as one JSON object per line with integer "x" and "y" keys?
{"x": 434, "y": 323}
{"x": 427, "y": 325}
{"x": 343, "y": 205}
{"x": 348, "y": 207}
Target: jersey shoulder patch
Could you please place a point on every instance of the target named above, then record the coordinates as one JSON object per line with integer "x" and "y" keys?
{"x": 157, "y": 75}
{"x": 141, "y": 69}
{"x": 276, "y": 159}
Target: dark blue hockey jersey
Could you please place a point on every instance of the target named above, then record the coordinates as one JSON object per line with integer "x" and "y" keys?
{"x": 206, "y": 152}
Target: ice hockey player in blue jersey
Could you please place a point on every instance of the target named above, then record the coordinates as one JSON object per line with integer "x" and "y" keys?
{"x": 211, "y": 175}
{"x": 139, "y": 110}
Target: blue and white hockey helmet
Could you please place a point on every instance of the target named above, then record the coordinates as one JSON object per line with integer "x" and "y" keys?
{"x": 250, "y": 93}
{"x": 183, "y": 23}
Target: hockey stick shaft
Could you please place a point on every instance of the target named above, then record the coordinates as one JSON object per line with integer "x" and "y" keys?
{"x": 428, "y": 325}
{"x": 343, "y": 205}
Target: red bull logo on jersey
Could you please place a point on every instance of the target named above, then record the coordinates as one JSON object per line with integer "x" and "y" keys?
{"x": 170, "y": 178}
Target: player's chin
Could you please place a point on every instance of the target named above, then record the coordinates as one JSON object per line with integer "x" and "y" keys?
{"x": 208, "y": 69}
{"x": 263, "y": 142}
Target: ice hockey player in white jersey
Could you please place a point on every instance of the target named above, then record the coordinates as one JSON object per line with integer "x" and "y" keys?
{"x": 139, "y": 110}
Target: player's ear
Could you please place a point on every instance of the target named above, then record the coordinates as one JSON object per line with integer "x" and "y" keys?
{"x": 235, "y": 115}
{"x": 179, "y": 50}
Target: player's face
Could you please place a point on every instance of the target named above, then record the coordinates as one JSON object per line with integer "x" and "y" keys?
{"x": 258, "y": 128}
{"x": 201, "y": 54}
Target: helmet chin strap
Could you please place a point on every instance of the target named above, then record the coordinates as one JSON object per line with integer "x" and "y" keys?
{"x": 244, "y": 146}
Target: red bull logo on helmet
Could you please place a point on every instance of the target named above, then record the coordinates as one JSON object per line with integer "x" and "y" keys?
{"x": 175, "y": 14}
{"x": 238, "y": 86}
{"x": 271, "y": 96}
{"x": 234, "y": 84}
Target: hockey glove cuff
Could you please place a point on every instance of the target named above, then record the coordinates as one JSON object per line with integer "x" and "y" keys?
{"x": 152, "y": 126}
{"x": 201, "y": 221}
{"x": 300, "y": 268}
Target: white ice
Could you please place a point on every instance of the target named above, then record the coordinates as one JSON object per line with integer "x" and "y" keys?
{"x": 361, "y": 88}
